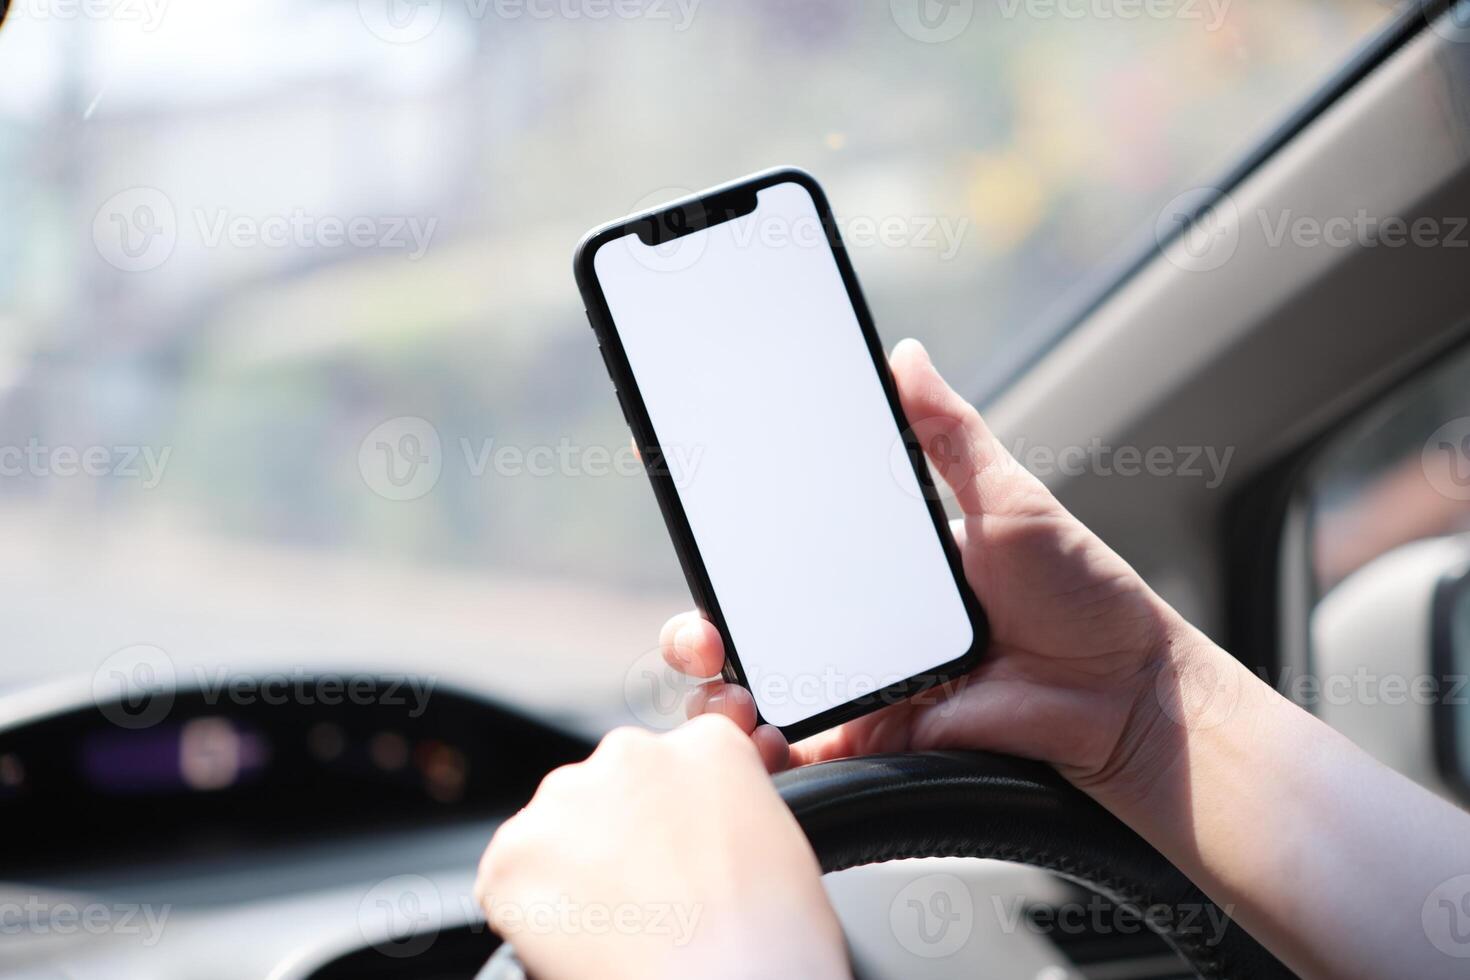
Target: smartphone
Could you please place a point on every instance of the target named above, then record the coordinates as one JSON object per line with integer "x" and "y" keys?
{"x": 798, "y": 499}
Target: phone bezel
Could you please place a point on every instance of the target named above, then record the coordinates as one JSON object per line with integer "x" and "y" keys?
{"x": 630, "y": 398}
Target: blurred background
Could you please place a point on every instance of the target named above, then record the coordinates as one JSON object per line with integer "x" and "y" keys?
{"x": 292, "y": 367}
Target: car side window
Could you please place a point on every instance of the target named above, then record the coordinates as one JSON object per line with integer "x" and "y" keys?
{"x": 1388, "y": 514}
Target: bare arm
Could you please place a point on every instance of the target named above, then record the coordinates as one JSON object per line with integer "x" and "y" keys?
{"x": 1328, "y": 857}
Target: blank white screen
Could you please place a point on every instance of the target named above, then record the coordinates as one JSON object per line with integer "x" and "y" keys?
{"x": 820, "y": 550}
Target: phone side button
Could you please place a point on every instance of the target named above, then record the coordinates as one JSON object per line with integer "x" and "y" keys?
{"x": 606, "y": 364}
{"x": 624, "y": 406}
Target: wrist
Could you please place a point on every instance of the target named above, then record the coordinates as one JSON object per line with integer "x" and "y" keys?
{"x": 1186, "y": 686}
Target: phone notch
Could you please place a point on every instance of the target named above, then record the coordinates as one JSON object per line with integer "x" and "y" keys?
{"x": 675, "y": 222}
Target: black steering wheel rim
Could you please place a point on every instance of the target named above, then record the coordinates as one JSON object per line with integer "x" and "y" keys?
{"x": 881, "y": 808}
{"x": 972, "y": 804}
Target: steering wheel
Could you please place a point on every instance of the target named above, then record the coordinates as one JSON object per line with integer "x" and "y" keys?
{"x": 968, "y": 804}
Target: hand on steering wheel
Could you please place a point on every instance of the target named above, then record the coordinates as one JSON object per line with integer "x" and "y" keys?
{"x": 856, "y": 812}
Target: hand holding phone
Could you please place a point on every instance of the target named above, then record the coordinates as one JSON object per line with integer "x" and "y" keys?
{"x": 1083, "y": 661}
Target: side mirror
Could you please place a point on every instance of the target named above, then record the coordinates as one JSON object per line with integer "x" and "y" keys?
{"x": 1390, "y": 647}
{"x": 1449, "y": 657}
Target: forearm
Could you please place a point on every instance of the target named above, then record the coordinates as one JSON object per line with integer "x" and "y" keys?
{"x": 1318, "y": 850}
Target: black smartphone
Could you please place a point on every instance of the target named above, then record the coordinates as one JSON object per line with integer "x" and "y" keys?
{"x": 797, "y": 496}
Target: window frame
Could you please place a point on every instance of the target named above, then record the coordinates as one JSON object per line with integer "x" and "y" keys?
{"x": 1271, "y": 583}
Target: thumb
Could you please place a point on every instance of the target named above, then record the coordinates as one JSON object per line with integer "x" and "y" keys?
{"x": 961, "y": 448}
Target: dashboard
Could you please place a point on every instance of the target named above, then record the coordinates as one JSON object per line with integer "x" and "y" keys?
{"x": 298, "y": 827}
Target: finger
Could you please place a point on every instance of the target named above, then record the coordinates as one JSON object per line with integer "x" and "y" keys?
{"x": 885, "y": 730}
{"x": 730, "y": 700}
{"x": 1015, "y": 716}
{"x": 691, "y": 645}
{"x": 772, "y": 745}
{"x": 506, "y": 843}
{"x": 737, "y": 704}
{"x": 954, "y": 437}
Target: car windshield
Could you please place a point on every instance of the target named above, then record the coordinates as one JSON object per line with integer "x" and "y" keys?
{"x": 292, "y": 367}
